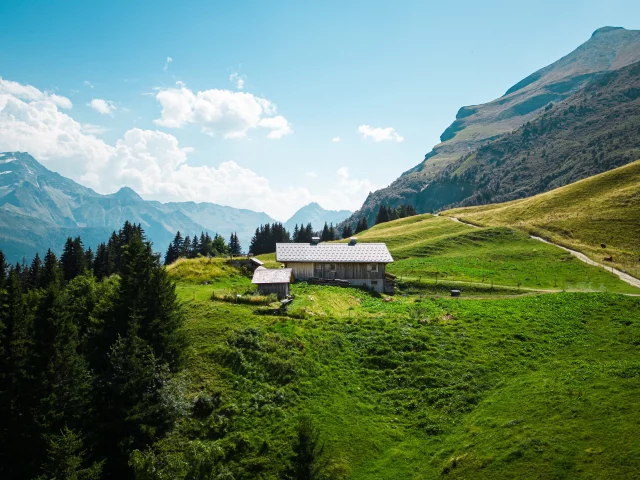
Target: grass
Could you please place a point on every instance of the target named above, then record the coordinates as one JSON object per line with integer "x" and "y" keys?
{"x": 532, "y": 386}
{"x": 430, "y": 248}
{"x": 599, "y": 210}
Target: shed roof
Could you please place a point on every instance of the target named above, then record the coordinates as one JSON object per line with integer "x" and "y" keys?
{"x": 272, "y": 275}
{"x": 333, "y": 252}
{"x": 256, "y": 261}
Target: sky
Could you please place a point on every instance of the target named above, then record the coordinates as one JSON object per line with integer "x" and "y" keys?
{"x": 264, "y": 105}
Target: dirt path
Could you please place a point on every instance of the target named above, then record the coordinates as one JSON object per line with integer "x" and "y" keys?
{"x": 625, "y": 277}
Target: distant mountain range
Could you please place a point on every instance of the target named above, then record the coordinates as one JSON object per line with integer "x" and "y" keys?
{"x": 317, "y": 216}
{"x": 461, "y": 168}
{"x": 39, "y": 209}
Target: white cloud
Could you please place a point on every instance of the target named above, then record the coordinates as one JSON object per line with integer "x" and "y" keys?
{"x": 166, "y": 63}
{"x": 347, "y": 193}
{"x": 105, "y": 107}
{"x": 30, "y": 93}
{"x": 88, "y": 83}
{"x": 311, "y": 174}
{"x": 152, "y": 162}
{"x": 238, "y": 80}
{"x": 335, "y": 139}
{"x": 380, "y": 134}
{"x": 231, "y": 114}
{"x": 91, "y": 129}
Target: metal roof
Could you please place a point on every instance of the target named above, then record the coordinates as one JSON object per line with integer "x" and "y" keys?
{"x": 256, "y": 261}
{"x": 272, "y": 275}
{"x": 333, "y": 252}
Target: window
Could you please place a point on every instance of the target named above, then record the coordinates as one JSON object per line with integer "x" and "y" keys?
{"x": 372, "y": 267}
{"x": 330, "y": 267}
{"x": 374, "y": 282}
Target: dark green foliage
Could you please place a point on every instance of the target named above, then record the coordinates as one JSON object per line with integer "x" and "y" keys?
{"x": 303, "y": 234}
{"x": 266, "y": 237}
{"x": 307, "y": 451}
{"x": 347, "y": 231}
{"x": 203, "y": 246}
{"x": 66, "y": 459}
{"x": 328, "y": 233}
{"x": 387, "y": 214}
{"x": 87, "y": 365}
{"x": 73, "y": 259}
{"x": 362, "y": 225}
{"x": 234, "y": 245}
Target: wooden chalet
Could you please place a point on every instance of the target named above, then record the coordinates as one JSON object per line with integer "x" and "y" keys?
{"x": 353, "y": 263}
{"x": 273, "y": 280}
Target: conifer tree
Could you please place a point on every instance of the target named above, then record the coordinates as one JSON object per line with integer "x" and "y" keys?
{"x": 234, "y": 245}
{"x": 35, "y": 272}
{"x": 3, "y": 270}
{"x": 347, "y": 231}
{"x": 51, "y": 271}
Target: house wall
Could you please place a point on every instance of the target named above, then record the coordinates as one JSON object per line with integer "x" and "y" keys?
{"x": 280, "y": 289}
{"x": 355, "y": 273}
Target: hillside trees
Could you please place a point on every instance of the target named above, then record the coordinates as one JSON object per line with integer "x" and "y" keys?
{"x": 203, "y": 245}
{"x": 362, "y": 225}
{"x": 234, "y": 245}
{"x": 303, "y": 234}
{"x": 266, "y": 237}
{"x": 387, "y": 214}
{"x": 87, "y": 366}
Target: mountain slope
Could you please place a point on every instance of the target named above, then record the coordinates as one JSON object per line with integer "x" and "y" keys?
{"x": 40, "y": 208}
{"x": 317, "y": 216}
{"x": 608, "y": 49}
{"x": 596, "y": 211}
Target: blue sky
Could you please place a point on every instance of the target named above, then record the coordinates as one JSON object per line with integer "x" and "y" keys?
{"x": 314, "y": 70}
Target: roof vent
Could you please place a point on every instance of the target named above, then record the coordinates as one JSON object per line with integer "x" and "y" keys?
{"x": 315, "y": 240}
{"x": 353, "y": 241}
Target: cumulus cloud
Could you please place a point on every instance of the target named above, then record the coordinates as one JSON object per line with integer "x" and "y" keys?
{"x": 238, "y": 80}
{"x": 166, "y": 63}
{"x": 231, "y": 114}
{"x": 105, "y": 107}
{"x": 151, "y": 162}
{"x": 380, "y": 134}
{"x": 335, "y": 139}
{"x": 92, "y": 129}
{"x": 30, "y": 93}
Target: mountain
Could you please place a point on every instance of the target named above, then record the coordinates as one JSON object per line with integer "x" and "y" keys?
{"x": 609, "y": 49}
{"x": 317, "y": 216}
{"x": 39, "y": 209}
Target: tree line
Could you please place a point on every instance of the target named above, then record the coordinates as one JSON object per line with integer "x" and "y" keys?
{"x": 201, "y": 246}
{"x": 89, "y": 351}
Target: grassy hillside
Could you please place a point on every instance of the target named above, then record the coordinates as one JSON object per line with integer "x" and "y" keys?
{"x": 420, "y": 387}
{"x": 425, "y": 246}
{"x": 600, "y": 210}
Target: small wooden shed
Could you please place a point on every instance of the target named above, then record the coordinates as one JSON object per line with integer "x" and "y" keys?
{"x": 273, "y": 280}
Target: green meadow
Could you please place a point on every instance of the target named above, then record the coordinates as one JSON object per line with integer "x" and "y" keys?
{"x": 514, "y": 379}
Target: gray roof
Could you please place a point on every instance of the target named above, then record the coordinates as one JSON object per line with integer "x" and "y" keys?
{"x": 272, "y": 275}
{"x": 333, "y": 252}
{"x": 256, "y": 261}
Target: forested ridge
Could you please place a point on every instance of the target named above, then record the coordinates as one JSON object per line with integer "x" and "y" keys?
{"x": 90, "y": 349}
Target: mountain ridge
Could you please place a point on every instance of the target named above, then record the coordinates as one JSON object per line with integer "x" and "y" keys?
{"x": 608, "y": 49}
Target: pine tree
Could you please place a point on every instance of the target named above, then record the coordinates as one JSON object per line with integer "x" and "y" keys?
{"x": 219, "y": 246}
{"x": 234, "y": 245}
{"x": 73, "y": 259}
{"x": 362, "y": 225}
{"x": 51, "y": 273}
{"x": 347, "y": 231}
{"x": 4, "y": 267}
{"x": 35, "y": 272}
{"x": 325, "y": 236}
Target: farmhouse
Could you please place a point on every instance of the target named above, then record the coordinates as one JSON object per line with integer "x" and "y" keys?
{"x": 356, "y": 263}
{"x": 273, "y": 281}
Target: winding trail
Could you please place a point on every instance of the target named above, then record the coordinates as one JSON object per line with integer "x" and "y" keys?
{"x": 625, "y": 277}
